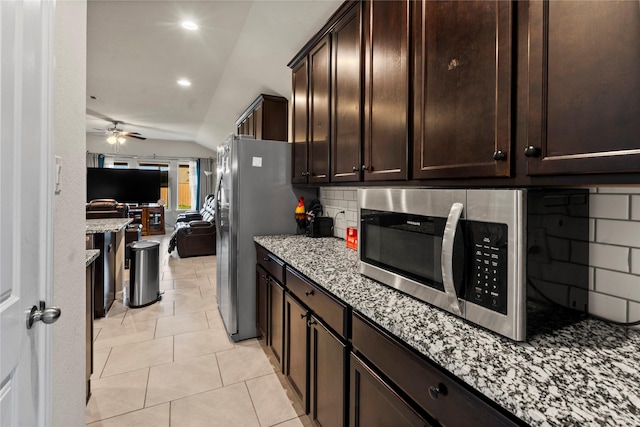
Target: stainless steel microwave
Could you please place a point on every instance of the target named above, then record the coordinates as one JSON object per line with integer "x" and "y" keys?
{"x": 490, "y": 256}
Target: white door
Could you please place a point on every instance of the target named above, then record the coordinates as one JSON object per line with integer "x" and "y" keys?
{"x": 26, "y": 213}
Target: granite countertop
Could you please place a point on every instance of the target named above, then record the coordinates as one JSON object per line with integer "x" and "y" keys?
{"x": 106, "y": 225}
{"x": 92, "y": 254}
{"x": 584, "y": 374}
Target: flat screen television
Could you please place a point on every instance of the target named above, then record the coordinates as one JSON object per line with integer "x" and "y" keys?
{"x": 124, "y": 185}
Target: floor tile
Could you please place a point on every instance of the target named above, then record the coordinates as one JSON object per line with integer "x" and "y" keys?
{"x": 117, "y": 395}
{"x": 125, "y": 334}
{"x": 190, "y": 282}
{"x": 181, "y": 324}
{"x": 153, "y": 311}
{"x": 208, "y": 293}
{"x": 195, "y": 305}
{"x": 296, "y": 422}
{"x": 99, "y": 360}
{"x": 223, "y": 407}
{"x": 244, "y": 362}
{"x": 167, "y": 275}
{"x": 270, "y": 400}
{"x": 155, "y": 416}
{"x": 215, "y": 320}
{"x": 166, "y": 284}
{"x": 200, "y": 343}
{"x": 131, "y": 357}
{"x": 181, "y": 379}
{"x": 180, "y": 294}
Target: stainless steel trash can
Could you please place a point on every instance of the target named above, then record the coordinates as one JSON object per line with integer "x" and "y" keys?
{"x": 144, "y": 273}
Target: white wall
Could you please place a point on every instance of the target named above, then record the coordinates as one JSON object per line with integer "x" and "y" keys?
{"x": 614, "y": 245}
{"x": 69, "y": 215}
{"x": 149, "y": 147}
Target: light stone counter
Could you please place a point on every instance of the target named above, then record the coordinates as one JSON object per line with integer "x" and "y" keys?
{"x": 585, "y": 374}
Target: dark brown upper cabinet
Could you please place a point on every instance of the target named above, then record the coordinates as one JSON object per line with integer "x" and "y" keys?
{"x": 461, "y": 88}
{"x": 319, "y": 111}
{"x": 386, "y": 90}
{"x": 265, "y": 118}
{"x": 346, "y": 98}
{"x": 312, "y": 115}
{"x": 300, "y": 120}
{"x": 584, "y": 88}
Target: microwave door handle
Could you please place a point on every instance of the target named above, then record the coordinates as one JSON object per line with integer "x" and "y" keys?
{"x": 446, "y": 260}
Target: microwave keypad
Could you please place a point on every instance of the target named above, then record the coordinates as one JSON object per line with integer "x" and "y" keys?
{"x": 489, "y": 273}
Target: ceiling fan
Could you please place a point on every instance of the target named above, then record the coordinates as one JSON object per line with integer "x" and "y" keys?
{"x": 115, "y": 134}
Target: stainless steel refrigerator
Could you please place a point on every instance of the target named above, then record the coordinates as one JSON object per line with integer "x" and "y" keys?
{"x": 254, "y": 197}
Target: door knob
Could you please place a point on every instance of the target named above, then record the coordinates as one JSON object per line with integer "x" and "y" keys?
{"x": 46, "y": 315}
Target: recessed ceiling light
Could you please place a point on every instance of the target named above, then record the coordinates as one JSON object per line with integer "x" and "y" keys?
{"x": 184, "y": 82}
{"x": 189, "y": 25}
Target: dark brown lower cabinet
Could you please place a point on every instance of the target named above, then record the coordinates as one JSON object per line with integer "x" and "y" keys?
{"x": 262, "y": 309}
{"x": 296, "y": 349}
{"x": 327, "y": 371}
{"x": 275, "y": 320}
{"x": 374, "y": 403}
{"x": 89, "y": 326}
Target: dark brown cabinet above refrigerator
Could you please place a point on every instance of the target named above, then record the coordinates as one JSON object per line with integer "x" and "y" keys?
{"x": 265, "y": 118}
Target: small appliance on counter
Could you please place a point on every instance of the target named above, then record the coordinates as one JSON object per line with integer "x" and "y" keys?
{"x": 320, "y": 226}
{"x": 486, "y": 255}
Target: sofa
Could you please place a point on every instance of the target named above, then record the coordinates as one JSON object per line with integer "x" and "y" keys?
{"x": 195, "y": 231}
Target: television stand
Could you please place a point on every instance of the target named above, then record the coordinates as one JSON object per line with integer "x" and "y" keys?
{"x": 151, "y": 218}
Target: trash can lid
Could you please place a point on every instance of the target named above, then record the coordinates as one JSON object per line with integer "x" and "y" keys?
{"x": 143, "y": 244}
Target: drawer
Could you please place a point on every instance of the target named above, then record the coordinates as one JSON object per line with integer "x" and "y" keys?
{"x": 271, "y": 263}
{"x": 327, "y": 308}
{"x": 435, "y": 391}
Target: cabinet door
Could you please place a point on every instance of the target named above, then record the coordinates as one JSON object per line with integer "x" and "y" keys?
{"x": 462, "y": 88}
{"x": 319, "y": 110}
{"x": 299, "y": 117}
{"x": 584, "y": 84}
{"x": 296, "y": 349}
{"x": 258, "y": 122}
{"x": 276, "y": 321}
{"x": 262, "y": 308}
{"x": 373, "y": 403}
{"x": 386, "y": 90}
{"x": 346, "y": 93}
{"x": 327, "y": 363}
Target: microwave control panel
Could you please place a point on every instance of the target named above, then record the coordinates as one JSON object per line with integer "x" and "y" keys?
{"x": 487, "y": 286}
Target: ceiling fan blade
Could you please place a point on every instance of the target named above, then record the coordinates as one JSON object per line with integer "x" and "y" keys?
{"x": 131, "y": 133}
{"x": 137, "y": 137}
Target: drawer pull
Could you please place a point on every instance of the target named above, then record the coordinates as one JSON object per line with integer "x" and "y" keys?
{"x": 309, "y": 293}
{"x": 436, "y": 392}
{"x": 265, "y": 259}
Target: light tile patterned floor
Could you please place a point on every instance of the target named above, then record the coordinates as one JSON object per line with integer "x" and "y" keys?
{"x": 171, "y": 364}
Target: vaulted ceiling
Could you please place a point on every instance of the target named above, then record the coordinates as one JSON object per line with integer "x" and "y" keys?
{"x": 137, "y": 50}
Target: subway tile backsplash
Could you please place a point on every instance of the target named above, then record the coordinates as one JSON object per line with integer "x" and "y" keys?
{"x": 614, "y": 247}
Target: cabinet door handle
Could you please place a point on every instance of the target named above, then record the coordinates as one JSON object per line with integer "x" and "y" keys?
{"x": 264, "y": 276}
{"x": 532, "y": 151}
{"x": 499, "y": 155}
{"x": 355, "y": 169}
{"x": 266, "y": 259}
{"x": 303, "y": 316}
{"x": 309, "y": 293}
{"x": 311, "y": 322}
{"x": 365, "y": 168}
{"x": 436, "y": 392}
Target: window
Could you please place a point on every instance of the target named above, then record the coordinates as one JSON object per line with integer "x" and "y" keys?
{"x": 184, "y": 187}
{"x": 164, "y": 183}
